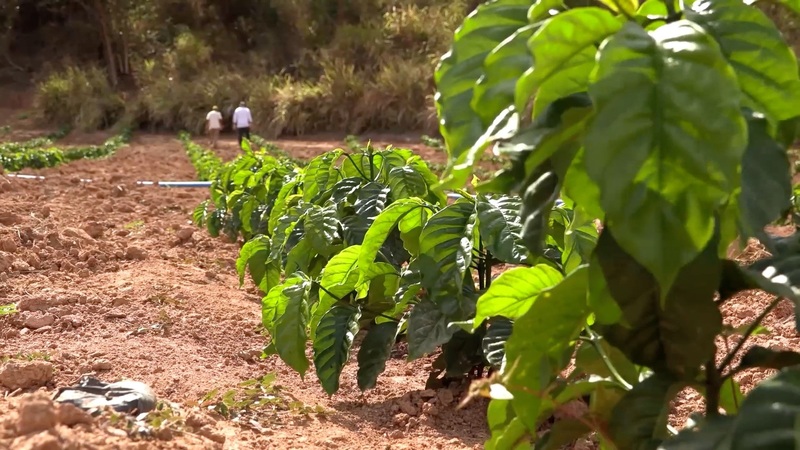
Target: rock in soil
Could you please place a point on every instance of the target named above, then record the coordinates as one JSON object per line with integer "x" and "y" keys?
{"x": 8, "y": 245}
{"x": 33, "y": 303}
{"x": 70, "y": 415}
{"x": 16, "y": 374}
{"x": 8, "y": 218}
{"x": 38, "y": 320}
{"x": 36, "y": 413}
{"x": 184, "y": 234}
{"x": 135, "y": 253}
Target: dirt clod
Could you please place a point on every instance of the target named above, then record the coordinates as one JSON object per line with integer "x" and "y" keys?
{"x": 38, "y": 320}
{"x": 8, "y": 218}
{"x": 135, "y": 253}
{"x": 70, "y": 415}
{"x": 15, "y": 374}
{"x": 36, "y": 413}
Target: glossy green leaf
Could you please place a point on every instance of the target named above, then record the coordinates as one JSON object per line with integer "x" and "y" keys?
{"x": 321, "y": 228}
{"x": 562, "y": 433}
{"x": 563, "y": 55}
{"x": 494, "y": 342}
{"x": 665, "y": 143}
{"x": 537, "y": 350}
{"x": 383, "y": 224}
{"x": 273, "y": 304}
{"x": 501, "y": 228}
{"x": 427, "y": 329}
{"x": 461, "y": 68}
{"x": 507, "y": 431}
{"x": 764, "y": 63}
{"x": 290, "y": 328}
{"x": 406, "y": 182}
{"x": 514, "y": 291}
{"x": 447, "y": 240}
{"x": 639, "y": 420}
{"x": 376, "y": 348}
{"x": 730, "y": 396}
{"x": 320, "y": 175}
{"x": 677, "y": 336}
{"x": 766, "y": 179}
{"x": 253, "y": 255}
{"x": 332, "y": 344}
{"x": 502, "y": 67}
{"x": 758, "y": 356}
{"x": 339, "y": 278}
{"x": 537, "y": 202}
{"x": 769, "y": 415}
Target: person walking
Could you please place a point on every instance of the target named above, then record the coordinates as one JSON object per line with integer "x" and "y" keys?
{"x": 213, "y": 125}
{"x": 242, "y": 119}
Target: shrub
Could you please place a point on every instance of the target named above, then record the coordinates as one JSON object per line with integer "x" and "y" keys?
{"x": 79, "y": 97}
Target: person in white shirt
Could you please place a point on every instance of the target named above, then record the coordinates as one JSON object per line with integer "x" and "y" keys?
{"x": 213, "y": 125}
{"x": 242, "y": 119}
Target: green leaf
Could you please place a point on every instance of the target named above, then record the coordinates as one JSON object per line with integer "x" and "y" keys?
{"x": 290, "y": 328}
{"x": 564, "y": 55}
{"x": 537, "y": 350}
{"x": 514, "y": 291}
{"x": 652, "y": 147}
{"x": 758, "y": 356}
{"x": 563, "y": 432}
{"x": 447, "y": 239}
{"x": 764, "y": 63}
{"x": 501, "y": 228}
{"x": 677, "y": 337}
{"x": 320, "y": 174}
{"x": 494, "y": 342}
{"x": 427, "y": 329}
{"x": 537, "y": 203}
{"x": 639, "y": 420}
{"x": 460, "y": 69}
{"x": 730, "y": 396}
{"x": 406, "y": 182}
{"x": 321, "y": 227}
{"x": 253, "y": 255}
{"x": 332, "y": 344}
{"x": 339, "y": 278}
{"x": 383, "y": 224}
{"x": 580, "y": 239}
{"x": 502, "y": 67}
{"x": 589, "y": 361}
{"x": 273, "y": 304}
{"x": 376, "y": 348}
{"x": 766, "y": 179}
{"x": 627, "y": 7}
{"x": 507, "y": 431}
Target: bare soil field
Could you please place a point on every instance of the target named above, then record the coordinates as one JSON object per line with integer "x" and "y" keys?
{"x": 111, "y": 279}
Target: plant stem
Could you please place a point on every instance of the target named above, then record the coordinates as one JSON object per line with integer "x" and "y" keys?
{"x": 347, "y": 155}
{"x": 752, "y": 328}
{"x": 594, "y": 339}
{"x": 713, "y": 385}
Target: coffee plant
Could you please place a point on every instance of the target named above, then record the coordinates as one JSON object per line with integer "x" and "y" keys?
{"x": 669, "y": 123}
{"x": 39, "y": 153}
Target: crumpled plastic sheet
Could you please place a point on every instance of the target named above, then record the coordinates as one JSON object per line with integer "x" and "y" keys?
{"x": 93, "y": 395}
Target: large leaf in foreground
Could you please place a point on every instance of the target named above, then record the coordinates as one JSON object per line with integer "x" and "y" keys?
{"x": 564, "y": 55}
{"x": 332, "y": 344}
{"x": 536, "y": 351}
{"x": 639, "y": 420}
{"x": 764, "y": 63}
{"x": 514, "y": 291}
{"x": 766, "y": 178}
{"x": 676, "y": 336}
{"x": 459, "y": 70}
{"x": 666, "y": 141}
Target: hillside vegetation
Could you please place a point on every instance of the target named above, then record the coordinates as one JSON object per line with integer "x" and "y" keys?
{"x": 304, "y": 65}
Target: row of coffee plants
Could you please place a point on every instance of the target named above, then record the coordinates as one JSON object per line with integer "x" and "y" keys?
{"x": 39, "y": 153}
{"x": 669, "y": 122}
{"x": 206, "y": 163}
{"x": 360, "y": 241}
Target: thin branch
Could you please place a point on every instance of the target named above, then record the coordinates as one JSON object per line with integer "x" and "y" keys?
{"x": 750, "y": 330}
{"x": 594, "y": 339}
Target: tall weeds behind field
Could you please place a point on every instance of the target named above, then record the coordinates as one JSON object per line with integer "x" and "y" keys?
{"x": 80, "y": 98}
{"x": 368, "y": 68}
